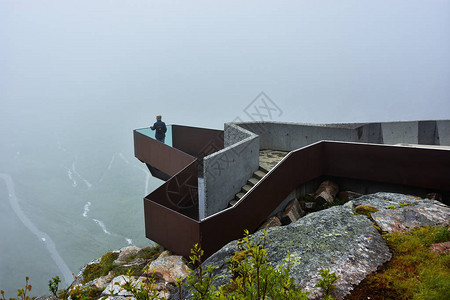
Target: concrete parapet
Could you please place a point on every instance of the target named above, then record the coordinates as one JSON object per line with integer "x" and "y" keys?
{"x": 227, "y": 170}
{"x": 291, "y": 136}
{"x": 400, "y": 132}
{"x": 443, "y": 132}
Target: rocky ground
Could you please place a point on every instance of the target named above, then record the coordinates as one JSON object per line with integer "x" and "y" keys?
{"x": 345, "y": 239}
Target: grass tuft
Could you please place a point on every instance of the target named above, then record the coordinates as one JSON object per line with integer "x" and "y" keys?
{"x": 414, "y": 272}
{"x": 102, "y": 268}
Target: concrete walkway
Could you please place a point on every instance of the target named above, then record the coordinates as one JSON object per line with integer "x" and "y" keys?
{"x": 269, "y": 158}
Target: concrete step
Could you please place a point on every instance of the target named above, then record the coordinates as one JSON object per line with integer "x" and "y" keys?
{"x": 264, "y": 169}
{"x": 232, "y": 203}
{"x": 239, "y": 196}
{"x": 252, "y": 181}
{"x": 246, "y": 188}
{"x": 259, "y": 174}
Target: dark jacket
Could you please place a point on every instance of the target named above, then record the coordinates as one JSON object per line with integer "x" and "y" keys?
{"x": 160, "y": 128}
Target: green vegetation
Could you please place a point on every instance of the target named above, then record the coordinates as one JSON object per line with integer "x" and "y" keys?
{"x": 414, "y": 272}
{"x": 53, "y": 285}
{"x": 142, "y": 291}
{"x": 253, "y": 278}
{"x": 365, "y": 210}
{"x": 326, "y": 282}
{"x": 21, "y": 293}
{"x": 106, "y": 264}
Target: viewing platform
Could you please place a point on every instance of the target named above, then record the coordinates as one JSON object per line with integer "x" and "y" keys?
{"x": 205, "y": 169}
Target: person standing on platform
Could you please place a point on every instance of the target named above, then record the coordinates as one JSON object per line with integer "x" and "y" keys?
{"x": 160, "y": 128}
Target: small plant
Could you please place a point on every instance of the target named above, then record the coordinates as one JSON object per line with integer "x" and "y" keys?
{"x": 392, "y": 207}
{"x": 255, "y": 278}
{"x": 201, "y": 281}
{"x": 21, "y": 293}
{"x": 326, "y": 283}
{"x": 81, "y": 293}
{"x": 53, "y": 285}
{"x": 403, "y": 204}
{"x": 140, "y": 290}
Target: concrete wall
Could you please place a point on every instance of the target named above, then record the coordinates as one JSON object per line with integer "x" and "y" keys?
{"x": 290, "y": 136}
{"x": 400, "y": 133}
{"x": 443, "y": 132}
{"x": 226, "y": 171}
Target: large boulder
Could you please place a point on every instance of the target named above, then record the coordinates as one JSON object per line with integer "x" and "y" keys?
{"x": 337, "y": 239}
{"x": 168, "y": 268}
{"x": 332, "y": 239}
{"x": 409, "y": 213}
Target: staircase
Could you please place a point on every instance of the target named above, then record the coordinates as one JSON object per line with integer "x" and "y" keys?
{"x": 256, "y": 177}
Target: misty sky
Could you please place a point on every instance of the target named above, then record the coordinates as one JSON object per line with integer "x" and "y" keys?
{"x": 201, "y": 63}
{"x": 76, "y": 77}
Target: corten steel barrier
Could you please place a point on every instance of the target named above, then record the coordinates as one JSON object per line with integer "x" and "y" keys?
{"x": 416, "y": 167}
{"x": 425, "y": 168}
{"x": 297, "y": 167}
{"x": 159, "y": 155}
{"x": 385, "y": 164}
{"x": 171, "y": 212}
{"x": 175, "y": 203}
{"x": 197, "y": 142}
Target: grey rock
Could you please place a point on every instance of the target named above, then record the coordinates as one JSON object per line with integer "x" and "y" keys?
{"x": 439, "y": 248}
{"x": 114, "y": 289}
{"x": 332, "y": 239}
{"x": 169, "y": 268}
{"x": 100, "y": 283}
{"x": 384, "y": 200}
{"x": 138, "y": 262}
{"x": 47, "y": 297}
{"x": 409, "y": 211}
{"x": 126, "y": 253}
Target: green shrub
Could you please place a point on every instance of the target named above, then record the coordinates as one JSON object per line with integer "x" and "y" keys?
{"x": 326, "y": 283}
{"x": 149, "y": 252}
{"x": 102, "y": 268}
{"x": 200, "y": 282}
{"x": 255, "y": 278}
{"x": 53, "y": 285}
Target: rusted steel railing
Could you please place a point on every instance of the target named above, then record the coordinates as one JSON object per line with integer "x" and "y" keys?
{"x": 179, "y": 230}
{"x": 171, "y": 212}
{"x": 197, "y": 142}
{"x": 159, "y": 155}
{"x": 407, "y": 166}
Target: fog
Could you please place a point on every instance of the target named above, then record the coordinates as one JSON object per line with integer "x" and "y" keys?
{"x": 76, "y": 77}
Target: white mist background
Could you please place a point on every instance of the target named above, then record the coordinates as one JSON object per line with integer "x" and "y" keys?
{"x": 76, "y": 77}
